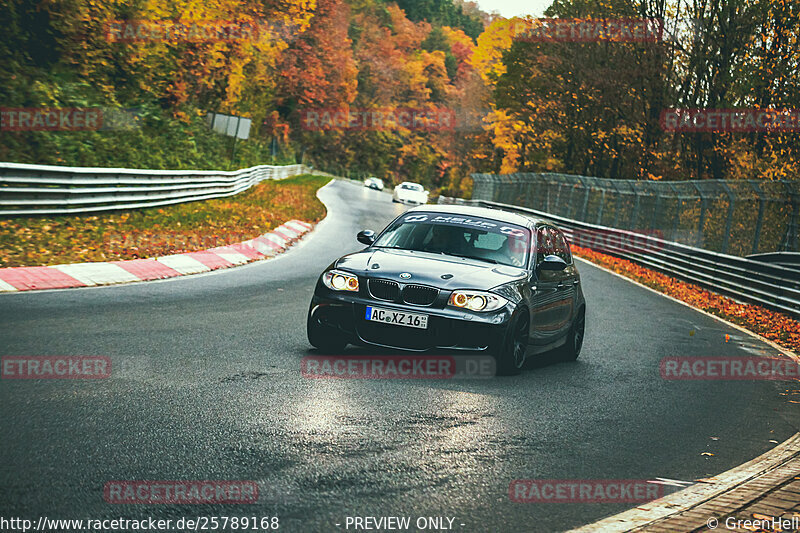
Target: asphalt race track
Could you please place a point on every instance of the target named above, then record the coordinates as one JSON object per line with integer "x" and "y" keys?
{"x": 206, "y": 384}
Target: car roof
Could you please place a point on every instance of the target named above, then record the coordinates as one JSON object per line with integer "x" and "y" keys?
{"x": 485, "y": 212}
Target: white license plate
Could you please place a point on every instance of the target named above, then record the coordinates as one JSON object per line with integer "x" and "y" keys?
{"x": 397, "y": 318}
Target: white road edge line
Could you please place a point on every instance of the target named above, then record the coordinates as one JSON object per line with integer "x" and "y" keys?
{"x": 775, "y": 345}
{"x": 678, "y": 502}
{"x": 695, "y": 495}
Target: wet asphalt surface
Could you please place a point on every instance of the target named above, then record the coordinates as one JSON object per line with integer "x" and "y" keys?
{"x": 206, "y": 384}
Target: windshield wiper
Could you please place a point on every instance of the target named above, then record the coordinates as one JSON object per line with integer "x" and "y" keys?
{"x": 476, "y": 258}
{"x": 487, "y": 259}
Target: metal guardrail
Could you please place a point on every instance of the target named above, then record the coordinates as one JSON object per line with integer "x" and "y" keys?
{"x": 752, "y": 281}
{"x": 54, "y": 190}
{"x": 738, "y": 217}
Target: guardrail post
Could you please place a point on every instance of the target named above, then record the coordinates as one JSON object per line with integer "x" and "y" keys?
{"x": 636, "y": 203}
{"x": 702, "y": 221}
{"x": 617, "y": 204}
{"x": 557, "y": 202}
{"x": 762, "y": 202}
{"x": 677, "y": 220}
{"x": 547, "y": 201}
{"x": 584, "y": 214}
{"x": 729, "y": 220}
{"x": 528, "y": 187}
{"x": 493, "y": 187}
{"x": 557, "y": 209}
{"x": 792, "y": 230}
{"x": 657, "y": 210}
{"x": 678, "y": 208}
{"x": 602, "y": 205}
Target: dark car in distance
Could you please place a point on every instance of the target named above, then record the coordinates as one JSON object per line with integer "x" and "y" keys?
{"x": 447, "y": 277}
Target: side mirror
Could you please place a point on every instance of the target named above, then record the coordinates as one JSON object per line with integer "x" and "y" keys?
{"x": 552, "y": 262}
{"x": 367, "y": 237}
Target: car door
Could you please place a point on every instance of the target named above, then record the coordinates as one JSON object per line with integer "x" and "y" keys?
{"x": 544, "y": 291}
{"x": 565, "y": 284}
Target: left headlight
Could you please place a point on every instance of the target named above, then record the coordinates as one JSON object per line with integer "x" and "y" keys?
{"x": 477, "y": 300}
{"x": 340, "y": 281}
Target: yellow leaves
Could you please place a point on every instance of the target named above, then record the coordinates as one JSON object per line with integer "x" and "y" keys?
{"x": 457, "y": 36}
{"x": 496, "y": 38}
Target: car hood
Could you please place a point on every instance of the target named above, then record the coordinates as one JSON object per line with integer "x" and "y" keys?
{"x": 439, "y": 271}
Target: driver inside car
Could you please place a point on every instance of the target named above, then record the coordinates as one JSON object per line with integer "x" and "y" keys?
{"x": 513, "y": 249}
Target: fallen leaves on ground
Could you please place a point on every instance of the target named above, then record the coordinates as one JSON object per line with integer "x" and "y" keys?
{"x": 41, "y": 241}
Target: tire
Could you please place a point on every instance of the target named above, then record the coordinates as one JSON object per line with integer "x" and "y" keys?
{"x": 510, "y": 357}
{"x": 325, "y": 339}
{"x": 574, "y": 343}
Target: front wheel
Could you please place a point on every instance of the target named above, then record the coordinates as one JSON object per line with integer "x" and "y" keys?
{"x": 324, "y": 338}
{"x": 510, "y": 358}
{"x": 572, "y": 347}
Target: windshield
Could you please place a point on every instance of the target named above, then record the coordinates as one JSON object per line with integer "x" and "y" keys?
{"x": 412, "y": 187}
{"x": 473, "y": 237}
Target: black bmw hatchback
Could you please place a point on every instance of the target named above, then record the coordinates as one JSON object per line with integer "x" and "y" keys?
{"x": 454, "y": 278}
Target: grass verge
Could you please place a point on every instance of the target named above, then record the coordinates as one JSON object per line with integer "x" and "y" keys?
{"x": 772, "y": 325}
{"x": 41, "y": 241}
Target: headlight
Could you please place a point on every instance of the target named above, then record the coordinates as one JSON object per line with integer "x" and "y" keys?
{"x": 340, "y": 281}
{"x": 477, "y": 300}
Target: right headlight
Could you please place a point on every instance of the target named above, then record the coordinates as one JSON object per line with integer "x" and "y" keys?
{"x": 338, "y": 280}
{"x": 477, "y": 300}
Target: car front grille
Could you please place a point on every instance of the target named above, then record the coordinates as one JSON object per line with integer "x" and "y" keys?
{"x": 419, "y": 294}
{"x": 383, "y": 289}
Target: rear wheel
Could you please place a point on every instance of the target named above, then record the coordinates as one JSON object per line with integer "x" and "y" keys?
{"x": 511, "y": 356}
{"x": 572, "y": 347}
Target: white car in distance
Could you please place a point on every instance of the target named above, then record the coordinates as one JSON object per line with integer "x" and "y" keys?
{"x": 410, "y": 193}
{"x": 374, "y": 183}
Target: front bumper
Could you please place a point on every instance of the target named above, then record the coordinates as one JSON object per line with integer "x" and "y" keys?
{"x": 408, "y": 201}
{"x": 448, "y": 328}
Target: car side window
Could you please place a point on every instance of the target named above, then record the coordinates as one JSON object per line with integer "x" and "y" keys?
{"x": 561, "y": 246}
{"x": 544, "y": 243}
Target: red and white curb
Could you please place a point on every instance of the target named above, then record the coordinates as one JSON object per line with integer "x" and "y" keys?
{"x": 15, "y": 279}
